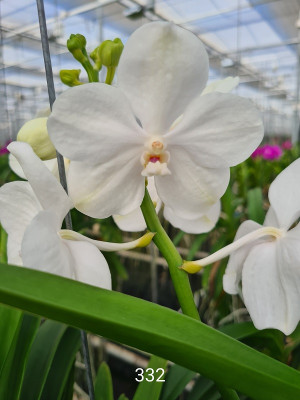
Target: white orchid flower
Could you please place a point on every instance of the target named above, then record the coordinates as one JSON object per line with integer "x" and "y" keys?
{"x": 266, "y": 259}
{"x": 122, "y": 134}
{"x": 135, "y": 222}
{"x": 32, "y": 214}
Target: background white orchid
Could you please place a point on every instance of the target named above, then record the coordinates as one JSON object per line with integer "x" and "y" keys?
{"x": 32, "y": 214}
{"x": 269, "y": 267}
{"x": 122, "y": 134}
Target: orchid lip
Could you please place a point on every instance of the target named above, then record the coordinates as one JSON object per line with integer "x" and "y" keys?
{"x": 155, "y": 158}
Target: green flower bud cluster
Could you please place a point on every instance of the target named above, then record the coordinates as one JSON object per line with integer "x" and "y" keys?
{"x": 107, "y": 53}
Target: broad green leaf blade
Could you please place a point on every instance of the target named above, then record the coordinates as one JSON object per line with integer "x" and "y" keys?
{"x": 176, "y": 380}
{"x": 204, "y": 389}
{"x": 103, "y": 383}
{"x": 16, "y": 362}
{"x": 169, "y": 334}
{"x": 10, "y": 322}
{"x": 41, "y": 356}
{"x": 239, "y": 331}
{"x": 61, "y": 366}
{"x": 148, "y": 388}
{"x": 69, "y": 387}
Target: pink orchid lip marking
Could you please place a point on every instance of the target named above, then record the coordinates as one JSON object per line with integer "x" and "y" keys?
{"x": 154, "y": 159}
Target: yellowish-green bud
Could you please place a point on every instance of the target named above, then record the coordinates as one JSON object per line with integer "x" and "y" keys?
{"x": 110, "y": 52}
{"x": 34, "y": 132}
{"x": 70, "y": 77}
{"x": 95, "y": 56}
{"x": 76, "y": 45}
{"x": 191, "y": 267}
{"x": 146, "y": 239}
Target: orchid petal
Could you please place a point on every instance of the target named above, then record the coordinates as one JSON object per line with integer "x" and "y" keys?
{"x": 191, "y": 190}
{"x": 202, "y": 224}
{"x": 15, "y": 166}
{"x": 134, "y": 221}
{"x": 88, "y": 264}
{"x": 47, "y": 189}
{"x": 223, "y": 85}
{"x": 43, "y": 249}
{"x": 233, "y": 273}
{"x": 162, "y": 68}
{"x": 102, "y": 125}
{"x": 18, "y": 206}
{"x": 284, "y": 195}
{"x": 218, "y": 130}
{"x": 17, "y": 169}
{"x": 116, "y": 187}
{"x": 271, "y": 285}
{"x": 271, "y": 218}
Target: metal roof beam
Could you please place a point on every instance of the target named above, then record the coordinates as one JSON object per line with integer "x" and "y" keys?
{"x": 61, "y": 16}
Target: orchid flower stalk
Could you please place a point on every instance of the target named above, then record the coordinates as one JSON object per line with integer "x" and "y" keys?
{"x": 264, "y": 261}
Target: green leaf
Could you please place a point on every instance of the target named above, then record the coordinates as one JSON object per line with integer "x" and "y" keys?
{"x": 151, "y": 390}
{"x": 16, "y": 362}
{"x": 255, "y": 205}
{"x": 61, "y": 366}
{"x": 40, "y": 359}
{"x": 103, "y": 383}
{"x": 3, "y": 246}
{"x": 204, "y": 389}
{"x": 69, "y": 387}
{"x": 10, "y": 322}
{"x": 178, "y": 377}
{"x": 239, "y": 331}
{"x": 152, "y": 328}
{"x": 123, "y": 397}
{"x": 176, "y": 380}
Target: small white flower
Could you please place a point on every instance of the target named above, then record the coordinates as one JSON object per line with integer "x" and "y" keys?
{"x": 121, "y": 134}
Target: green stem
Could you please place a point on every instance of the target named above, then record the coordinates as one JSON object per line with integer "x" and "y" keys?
{"x": 179, "y": 277}
{"x": 91, "y": 73}
{"x": 110, "y": 75}
{"x": 168, "y": 250}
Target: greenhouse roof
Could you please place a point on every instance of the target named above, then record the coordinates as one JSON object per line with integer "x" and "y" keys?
{"x": 256, "y": 40}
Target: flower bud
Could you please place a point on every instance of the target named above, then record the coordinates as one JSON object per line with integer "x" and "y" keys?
{"x": 110, "y": 52}
{"x": 70, "y": 77}
{"x": 76, "y": 45}
{"x": 34, "y": 132}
